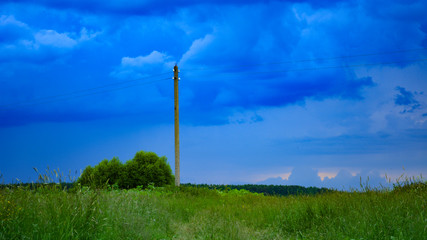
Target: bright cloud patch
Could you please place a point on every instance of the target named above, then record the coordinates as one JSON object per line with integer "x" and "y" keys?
{"x": 153, "y": 58}
{"x": 143, "y": 66}
{"x": 343, "y": 180}
{"x": 62, "y": 40}
{"x": 196, "y": 48}
{"x": 23, "y": 42}
{"x": 52, "y": 38}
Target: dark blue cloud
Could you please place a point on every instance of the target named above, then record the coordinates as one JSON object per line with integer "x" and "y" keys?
{"x": 404, "y": 97}
{"x": 220, "y": 97}
{"x": 49, "y": 49}
{"x": 156, "y": 6}
{"x": 403, "y": 13}
{"x": 407, "y": 99}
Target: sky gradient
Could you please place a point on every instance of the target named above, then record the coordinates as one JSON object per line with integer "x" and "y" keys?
{"x": 313, "y": 93}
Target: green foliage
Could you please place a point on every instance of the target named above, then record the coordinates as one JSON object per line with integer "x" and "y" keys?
{"x": 410, "y": 185}
{"x": 144, "y": 169}
{"x": 105, "y": 173}
{"x": 87, "y": 177}
{"x": 189, "y": 212}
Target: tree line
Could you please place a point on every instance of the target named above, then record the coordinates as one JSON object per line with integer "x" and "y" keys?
{"x": 273, "y": 190}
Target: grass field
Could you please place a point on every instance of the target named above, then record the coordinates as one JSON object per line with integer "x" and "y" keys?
{"x": 197, "y": 213}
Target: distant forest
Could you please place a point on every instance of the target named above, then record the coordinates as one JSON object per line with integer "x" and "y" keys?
{"x": 272, "y": 190}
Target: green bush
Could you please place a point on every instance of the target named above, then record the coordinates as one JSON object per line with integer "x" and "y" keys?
{"x": 108, "y": 171}
{"x": 86, "y": 177}
{"x": 144, "y": 169}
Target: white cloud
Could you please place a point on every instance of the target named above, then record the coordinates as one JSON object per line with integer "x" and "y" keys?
{"x": 10, "y": 20}
{"x": 22, "y": 42}
{"x": 143, "y": 66}
{"x": 154, "y": 57}
{"x": 55, "y": 39}
{"x": 196, "y": 47}
{"x": 344, "y": 179}
{"x": 62, "y": 40}
{"x": 86, "y": 35}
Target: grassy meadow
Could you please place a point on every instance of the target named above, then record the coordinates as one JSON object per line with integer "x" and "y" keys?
{"x": 51, "y": 212}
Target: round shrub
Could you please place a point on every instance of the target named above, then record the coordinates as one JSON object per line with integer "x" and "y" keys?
{"x": 144, "y": 169}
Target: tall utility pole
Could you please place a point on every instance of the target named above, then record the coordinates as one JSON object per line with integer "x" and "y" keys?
{"x": 176, "y": 79}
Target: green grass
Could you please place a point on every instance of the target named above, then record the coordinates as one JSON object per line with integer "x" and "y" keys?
{"x": 196, "y": 213}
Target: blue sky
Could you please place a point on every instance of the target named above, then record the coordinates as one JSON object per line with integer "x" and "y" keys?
{"x": 314, "y": 93}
